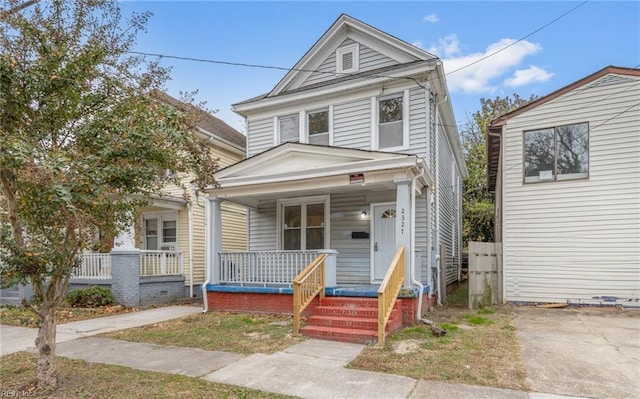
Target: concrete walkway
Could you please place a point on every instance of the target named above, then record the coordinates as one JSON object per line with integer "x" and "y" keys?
{"x": 311, "y": 369}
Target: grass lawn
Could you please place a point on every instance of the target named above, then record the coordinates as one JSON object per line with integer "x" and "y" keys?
{"x": 22, "y": 317}
{"x": 480, "y": 348}
{"x": 231, "y": 332}
{"x": 79, "y": 379}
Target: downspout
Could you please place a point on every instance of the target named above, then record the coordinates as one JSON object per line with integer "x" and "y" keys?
{"x": 207, "y": 261}
{"x": 412, "y": 261}
{"x": 190, "y": 216}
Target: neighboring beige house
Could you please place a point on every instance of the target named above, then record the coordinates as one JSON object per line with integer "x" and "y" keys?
{"x": 171, "y": 223}
{"x": 566, "y": 173}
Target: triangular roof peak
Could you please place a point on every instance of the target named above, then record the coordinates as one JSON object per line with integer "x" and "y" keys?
{"x": 609, "y": 70}
{"x": 348, "y": 27}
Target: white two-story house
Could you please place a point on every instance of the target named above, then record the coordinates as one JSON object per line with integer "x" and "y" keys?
{"x": 354, "y": 154}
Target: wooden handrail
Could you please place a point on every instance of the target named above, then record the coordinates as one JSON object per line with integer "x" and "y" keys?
{"x": 388, "y": 292}
{"x": 306, "y": 285}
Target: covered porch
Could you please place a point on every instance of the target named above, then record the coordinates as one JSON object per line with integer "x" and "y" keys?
{"x": 356, "y": 206}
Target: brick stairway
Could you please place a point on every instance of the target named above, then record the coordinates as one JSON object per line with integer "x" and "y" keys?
{"x": 349, "y": 319}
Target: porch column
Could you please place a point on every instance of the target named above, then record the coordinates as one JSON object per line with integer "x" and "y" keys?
{"x": 125, "y": 241}
{"x": 330, "y": 274}
{"x": 403, "y": 224}
{"x": 214, "y": 239}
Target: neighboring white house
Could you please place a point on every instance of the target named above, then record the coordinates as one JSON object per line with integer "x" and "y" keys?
{"x": 355, "y": 150}
{"x": 566, "y": 173}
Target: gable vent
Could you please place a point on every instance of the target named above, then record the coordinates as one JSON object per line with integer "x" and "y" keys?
{"x": 347, "y": 60}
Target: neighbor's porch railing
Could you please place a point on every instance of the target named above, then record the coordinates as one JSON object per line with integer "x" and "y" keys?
{"x": 306, "y": 286}
{"x": 93, "y": 266}
{"x": 388, "y": 292}
{"x": 263, "y": 267}
{"x": 161, "y": 263}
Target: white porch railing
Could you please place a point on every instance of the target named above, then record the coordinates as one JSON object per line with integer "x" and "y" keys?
{"x": 161, "y": 263}
{"x": 263, "y": 267}
{"x": 93, "y": 266}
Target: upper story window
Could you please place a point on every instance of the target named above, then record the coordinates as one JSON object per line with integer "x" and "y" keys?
{"x": 289, "y": 128}
{"x": 348, "y": 59}
{"x": 318, "y": 127}
{"x": 558, "y": 153}
{"x": 391, "y": 122}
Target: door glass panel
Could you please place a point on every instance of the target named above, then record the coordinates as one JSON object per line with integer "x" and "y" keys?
{"x": 151, "y": 234}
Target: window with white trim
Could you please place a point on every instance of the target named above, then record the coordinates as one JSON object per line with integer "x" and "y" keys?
{"x": 348, "y": 59}
{"x": 303, "y": 223}
{"x": 391, "y": 121}
{"x": 289, "y": 128}
{"x": 557, "y": 153}
{"x": 160, "y": 231}
{"x": 318, "y": 127}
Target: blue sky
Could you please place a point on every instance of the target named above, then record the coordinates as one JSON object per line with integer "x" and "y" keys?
{"x": 596, "y": 34}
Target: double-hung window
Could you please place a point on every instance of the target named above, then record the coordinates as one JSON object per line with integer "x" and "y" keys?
{"x": 160, "y": 231}
{"x": 557, "y": 153}
{"x": 303, "y": 223}
{"x": 289, "y": 128}
{"x": 318, "y": 127}
{"x": 391, "y": 121}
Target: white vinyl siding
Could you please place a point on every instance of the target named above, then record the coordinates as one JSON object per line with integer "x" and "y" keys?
{"x": 369, "y": 60}
{"x": 259, "y": 136}
{"x": 353, "y": 261}
{"x": 262, "y": 227}
{"x": 418, "y": 132}
{"x": 445, "y": 193}
{"x": 352, "y": 124}
{"x": 577, "y": 239}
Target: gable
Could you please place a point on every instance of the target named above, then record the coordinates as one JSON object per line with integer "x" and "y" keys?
{"x": 296, "y": 158}
{"x": 375, "y": 50}
{"x": 366, "y": 59}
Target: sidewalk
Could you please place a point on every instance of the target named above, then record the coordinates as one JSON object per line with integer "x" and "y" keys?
{"x": 313, "y": 369}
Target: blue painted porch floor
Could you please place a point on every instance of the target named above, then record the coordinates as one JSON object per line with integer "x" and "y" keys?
{"x": 361, "y": 290}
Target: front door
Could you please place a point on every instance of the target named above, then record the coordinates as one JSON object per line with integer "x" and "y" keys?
{"x": 383, "y": 239}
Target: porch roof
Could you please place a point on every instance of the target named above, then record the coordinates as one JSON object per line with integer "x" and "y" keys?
{"x": 293, "y": 168}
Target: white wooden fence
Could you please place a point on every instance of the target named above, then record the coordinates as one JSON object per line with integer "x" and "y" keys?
{"x": 485, "y": 273}
{"x": 263, "y": 267}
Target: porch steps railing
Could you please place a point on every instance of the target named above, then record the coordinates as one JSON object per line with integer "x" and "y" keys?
{"x": 359, "y": 320}
{"x": 306, "y": 286}
{"x": 388, "y": 292}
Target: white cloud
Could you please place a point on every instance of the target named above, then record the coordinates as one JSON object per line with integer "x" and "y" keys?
{"x": 447, "y": 47}
{"x": 523, "y": 77}
{"x": 481, "y": 77}
{"x": 431, "y": 18}
{"x": 417, "y": 44}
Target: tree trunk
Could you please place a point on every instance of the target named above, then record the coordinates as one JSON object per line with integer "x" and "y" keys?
{"x": 46, "y": 343}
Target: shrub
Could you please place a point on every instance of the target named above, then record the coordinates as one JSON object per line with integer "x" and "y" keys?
{"x": 91, "y": 297}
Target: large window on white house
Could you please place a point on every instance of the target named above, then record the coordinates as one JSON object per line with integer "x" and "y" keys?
{"x": 303, "y": 223}
{"x": 390, "y": 122}
{"x": 318, "y": 127}
{"x": 160, "y": 231}
{"x": 289, "y": 128}
{"x": 557, "y": 153}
